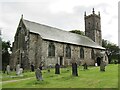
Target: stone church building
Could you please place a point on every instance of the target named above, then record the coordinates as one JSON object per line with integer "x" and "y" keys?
{"x": 36, "y": 43}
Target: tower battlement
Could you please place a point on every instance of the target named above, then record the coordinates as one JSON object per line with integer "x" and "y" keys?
{"x": 93, "y": 27}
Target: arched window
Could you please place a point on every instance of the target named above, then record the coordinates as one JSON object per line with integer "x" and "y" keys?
{"x": 68, "y": 51}
{"x": 92, "y": 54}
{"x": 81, "y": 53}
{"x": 51, "y": 49}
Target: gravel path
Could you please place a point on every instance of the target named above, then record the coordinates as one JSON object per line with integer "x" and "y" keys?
{"x": 16, "y": 80}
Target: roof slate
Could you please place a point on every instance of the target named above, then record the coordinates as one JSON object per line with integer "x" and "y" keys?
{"x": 55, "y": 34}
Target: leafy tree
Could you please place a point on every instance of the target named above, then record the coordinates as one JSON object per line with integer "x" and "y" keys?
{"x": 113, "y": 51}
{"x": 78, "y": 32}
{"x": 5, "y": 53}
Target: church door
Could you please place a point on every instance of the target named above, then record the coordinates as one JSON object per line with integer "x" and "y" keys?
{"x": 98, "y": 61}
{"x": 61, "y": 60}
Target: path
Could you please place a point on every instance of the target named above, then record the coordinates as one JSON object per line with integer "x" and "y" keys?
{"x": 16, "y": 80}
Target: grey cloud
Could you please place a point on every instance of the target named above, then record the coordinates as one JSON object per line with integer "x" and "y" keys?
{"x": 40, "y": 12}
{"x": 88, "y": 9}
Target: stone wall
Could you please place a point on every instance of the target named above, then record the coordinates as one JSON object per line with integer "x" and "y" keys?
{"x": 93, "y": 28}
{"x": 60, "y": 52}
{"x": 34, "y": 52}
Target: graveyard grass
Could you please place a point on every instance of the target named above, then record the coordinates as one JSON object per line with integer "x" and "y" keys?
{"x": 91, "y": 78}
{"x": 0, "y": 80}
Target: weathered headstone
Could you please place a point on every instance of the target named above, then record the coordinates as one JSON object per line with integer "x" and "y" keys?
{"x": 85, "y": 66}
{"x": 8, "y": 69}
{"x": 102, "y": 65}
{"x": 32, "y": 67}
{"x": 38, "y": 74}
{"x": 74, "y": 69}
{"x": 57, "y": 69}
{"x": 18, "y": 69}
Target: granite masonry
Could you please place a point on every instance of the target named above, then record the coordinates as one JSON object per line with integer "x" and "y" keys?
{"x": 36, "y": 43}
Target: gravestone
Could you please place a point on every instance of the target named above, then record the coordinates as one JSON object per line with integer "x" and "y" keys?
{"x": 8, "y": 69}
{"x": 38, "y": 74}
{"x": 40, "y": 67}
{"x": 85, "y": 66}
{"x": 57, "y": 69}
{"x": 74, "y": 69}
{"x": 17, "y": 69}
{"x": 102, "y": 65}
{"x": 32, "y": 67}
{"x": 20, "y": 71}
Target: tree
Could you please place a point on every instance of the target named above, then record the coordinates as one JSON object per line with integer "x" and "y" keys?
{"x": 5, "y": 53}
{"x": 112, "y": 49}
{"x": 78, "y": 32}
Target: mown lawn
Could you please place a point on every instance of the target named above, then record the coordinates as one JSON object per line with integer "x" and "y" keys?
{"x": 0, "y": 80}
{"x": 91, "y": 78}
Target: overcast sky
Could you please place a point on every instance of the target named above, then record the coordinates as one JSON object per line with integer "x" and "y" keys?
{"x": 64, "y": 14}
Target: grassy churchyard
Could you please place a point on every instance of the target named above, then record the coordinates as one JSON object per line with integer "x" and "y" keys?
{"x": 0, "y": 80}
{"x": 91, "y": 78}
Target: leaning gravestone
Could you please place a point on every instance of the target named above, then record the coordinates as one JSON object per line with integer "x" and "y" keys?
{"x": 57, "y": 69}
{"x": 74, "y": 69}
{"x": 102, "y": 65}
{"x": 38, "y": 74}
{"x": 8, "y": 69}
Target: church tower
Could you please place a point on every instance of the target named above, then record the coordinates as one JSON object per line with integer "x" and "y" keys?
{"x": 93, "y": 27}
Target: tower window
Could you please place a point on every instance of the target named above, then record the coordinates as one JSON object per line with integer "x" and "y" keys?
{"x": 81, "y": 53}
{"x": 68, "y": 51}
{"x": 51, "y": 49}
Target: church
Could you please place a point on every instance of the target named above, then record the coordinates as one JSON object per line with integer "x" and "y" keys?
{"x": 36, "y": 43}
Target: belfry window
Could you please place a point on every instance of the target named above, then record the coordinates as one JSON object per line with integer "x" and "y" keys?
{"x": 81, "y": 53}
{"x": 51, "y": 49}
{"x": 68, "y": 51}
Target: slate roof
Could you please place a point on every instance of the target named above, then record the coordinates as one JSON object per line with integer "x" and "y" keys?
{"x": 55, "y": 34}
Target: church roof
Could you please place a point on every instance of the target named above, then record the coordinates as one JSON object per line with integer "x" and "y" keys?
{"x": 55, "y": 34}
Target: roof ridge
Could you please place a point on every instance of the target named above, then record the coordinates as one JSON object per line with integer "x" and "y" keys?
{"x": 44, "y": 25}
{"x": 55, "y": 28}
{"x": 59, "y": 35}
